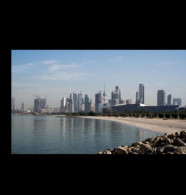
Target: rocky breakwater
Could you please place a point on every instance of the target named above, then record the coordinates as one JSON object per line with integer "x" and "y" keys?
{"x": 174, "y": 143}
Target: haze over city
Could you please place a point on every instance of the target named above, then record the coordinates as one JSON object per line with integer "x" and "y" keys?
{"x": 57, "y": 73}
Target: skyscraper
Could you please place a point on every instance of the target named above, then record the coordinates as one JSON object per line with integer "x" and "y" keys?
{"x": 161, "y": 98}
{"x": 80, "y": 102}
{"x": 137, "y": 97}
{"x": 63, "y": 107}
{"x": 98, "y": 102}
{"x": 177, "y": 101}
{"x": 75, "y": 99}
{"x": 169, "y": 97}
{"x": 116, "y": 96}
{"x": 141, "y": 94}
{"x": 37, "y": 104}
{"x": 87, "y": 103}
{"x": 22, "y": 107}
{"x": 43, "y": 103}
{"x": 71, "y": 101}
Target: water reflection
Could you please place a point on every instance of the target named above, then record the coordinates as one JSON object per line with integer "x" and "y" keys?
{"x": 39, "y": 126}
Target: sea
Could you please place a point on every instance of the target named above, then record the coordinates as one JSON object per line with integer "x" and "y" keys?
{"x": 31, "y": 134}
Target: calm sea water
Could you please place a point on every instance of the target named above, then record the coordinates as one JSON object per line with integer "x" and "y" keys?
{"x": 60, "y": 135}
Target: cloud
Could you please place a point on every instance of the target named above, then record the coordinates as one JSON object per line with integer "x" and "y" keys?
{"x": 57, "y": 67}
{"x": 59, "y": 72}
{"x": 59, "y": 76}
{"x": 163, "y": 64}
{"x": 21, "y": 68}
{"x": 48, "y": 62}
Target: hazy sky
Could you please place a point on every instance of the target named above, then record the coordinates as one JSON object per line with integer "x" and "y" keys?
{"x": 57, "y": 73}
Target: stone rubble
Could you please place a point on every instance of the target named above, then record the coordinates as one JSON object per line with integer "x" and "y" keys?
{"x": 174, "y": 143}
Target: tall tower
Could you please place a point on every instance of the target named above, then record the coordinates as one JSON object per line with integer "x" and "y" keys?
{"x": 141, "y": 94}
{"x": 161, "y": 98}
{"x": 80, "y": 102}
{"x": 104, "y": 94}
{"x": 22, "y": 107}
{"x": 137, "y": 97}
{"x": 98, "y": 102}
{"x": 169, "y": 97}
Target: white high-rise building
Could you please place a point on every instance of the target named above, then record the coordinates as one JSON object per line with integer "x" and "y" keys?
{"x": 63, "y": 104}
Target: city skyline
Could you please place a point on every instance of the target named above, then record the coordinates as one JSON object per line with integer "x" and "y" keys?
{"x": 57, "y": 73}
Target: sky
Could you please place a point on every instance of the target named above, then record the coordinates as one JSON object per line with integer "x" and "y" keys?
{"x": 57, "y": 73}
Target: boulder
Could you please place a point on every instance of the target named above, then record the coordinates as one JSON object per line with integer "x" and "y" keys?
{"x": 183, "y": 149}
{"x": 160, "y": 143}
{"x": 171, "y": 136}
{"x": 100, "y": 152}
{"x": 183, "y": 134}
{"x": 168, "y": 141}
{"x": 165, "y": 136}
{"x": 149, "y": 139}
{"x": 108, "y": 152}
{"x": 168, "y": 148}
{"x": 177, "y": 134}
{"x": 121, "y": 150}
{"x": 129, "y": 149}
{"x": 109, "y": 149}
{"x": 144, "y": 148}
{"x": 133, "y": 149}
{"x": 179, "y": 142}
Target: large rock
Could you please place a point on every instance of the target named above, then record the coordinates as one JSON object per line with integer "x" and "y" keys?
{"x": 144, "y": 148}
{"x": 183, "y": 149}
{"x": 180, "y": 150}
{"x": 171, "y": 136}
{"x": 165, "y": 136}
{"x": 167, "y": 148}
{"x": 109, "y": 149}
{"x": 183, "y": 134}
{"x": 134, "y": 150}
{"x": 160, "y": 143}
{"x": 156, "y": 138}
{"x": 121, "y": 150}
{"x": 168, "y": 141}
{"x": 179, "y": 142}
{"x": 149, "y": 139}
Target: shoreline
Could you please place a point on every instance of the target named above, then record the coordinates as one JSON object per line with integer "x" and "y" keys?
{"x": 156, "y": 125}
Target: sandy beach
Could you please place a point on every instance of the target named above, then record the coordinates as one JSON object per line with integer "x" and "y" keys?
{"x": 157, "y": 125}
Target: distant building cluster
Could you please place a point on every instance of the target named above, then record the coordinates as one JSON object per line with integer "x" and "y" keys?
{"x": 161, "y": 99}
{"x": 76, "y": 103}
{"x": 83, "y": 103}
